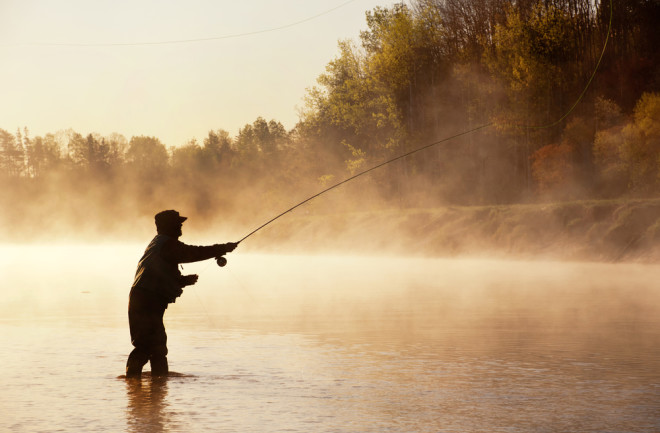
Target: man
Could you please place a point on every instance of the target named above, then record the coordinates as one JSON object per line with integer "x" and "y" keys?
{"x": 158, "y": 282}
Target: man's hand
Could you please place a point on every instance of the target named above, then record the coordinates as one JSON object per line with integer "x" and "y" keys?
{"x": 189, "y": 280}
{"x": 222, "y": 249}
{"x": 231, "y": 246}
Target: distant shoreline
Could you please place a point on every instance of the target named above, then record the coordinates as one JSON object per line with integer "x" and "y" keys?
{"x": 589, "y": 230}
{"x": 596, "y": 230}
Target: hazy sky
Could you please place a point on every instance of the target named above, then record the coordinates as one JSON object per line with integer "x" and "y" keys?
{"x": 82, "y": 64}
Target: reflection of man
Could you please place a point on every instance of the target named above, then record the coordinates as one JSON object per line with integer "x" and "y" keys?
{"x": 157, "y": 283}
{"x": 146, "y": 404}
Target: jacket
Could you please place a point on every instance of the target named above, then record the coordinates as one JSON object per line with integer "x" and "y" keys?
{"x": 158, "y": 272}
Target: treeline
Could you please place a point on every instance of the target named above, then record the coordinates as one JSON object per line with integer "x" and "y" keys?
{"x": 441, "y": 67}
{"x": 417, "y": 75}
{"x": 99, "y": 184}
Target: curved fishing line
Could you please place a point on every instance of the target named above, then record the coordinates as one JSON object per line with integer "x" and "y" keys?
{"x": 570, "y": 110}
{"x": 584, "y": 91}
{"x": 549, "y": 125}
{"x": 185, "y": 41}
{"x": 213, "y": 325}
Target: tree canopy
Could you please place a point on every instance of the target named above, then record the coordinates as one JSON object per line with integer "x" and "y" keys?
{"x": 416, "y": 75}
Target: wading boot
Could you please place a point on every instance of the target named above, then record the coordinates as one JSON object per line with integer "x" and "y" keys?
{"x": 134, "y": 364}
{"x": 159, "y": 366}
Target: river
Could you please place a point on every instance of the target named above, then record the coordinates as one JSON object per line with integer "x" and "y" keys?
{"x": 294, "y": 343}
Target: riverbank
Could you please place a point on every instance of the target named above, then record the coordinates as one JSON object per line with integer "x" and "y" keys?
{"x": 585, "y": 230}
{"x": 605, "y": 231}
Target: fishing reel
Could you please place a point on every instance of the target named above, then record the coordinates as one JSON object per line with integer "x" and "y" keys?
{"x": 221, "y": 261}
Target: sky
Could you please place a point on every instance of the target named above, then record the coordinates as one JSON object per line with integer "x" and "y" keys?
{"x": 123, "y": 66}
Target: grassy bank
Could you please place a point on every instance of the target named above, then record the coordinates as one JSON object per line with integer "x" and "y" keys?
{"x": 585, "y": 230}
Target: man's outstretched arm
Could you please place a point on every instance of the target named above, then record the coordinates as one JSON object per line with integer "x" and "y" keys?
{"x": 176, "y": 251}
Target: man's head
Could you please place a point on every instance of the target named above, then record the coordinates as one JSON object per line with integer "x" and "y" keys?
{"x": 169, "y": 222}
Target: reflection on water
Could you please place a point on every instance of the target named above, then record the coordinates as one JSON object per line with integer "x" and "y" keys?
{"x": 147, "y": 405}
{"x": 337, "y": 344}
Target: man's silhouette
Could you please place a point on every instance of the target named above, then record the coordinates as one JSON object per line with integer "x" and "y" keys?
{"x": 157, "y": 283}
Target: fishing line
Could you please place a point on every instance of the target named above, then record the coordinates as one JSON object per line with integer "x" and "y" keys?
{"x": 185, "y": 41}
{"x": 591, "y": 78}
{"x": 254, "y": 302}
{"x": 446, "y": 139}
{"x": 215, "y": 328}
{"x": 435, "y": 143}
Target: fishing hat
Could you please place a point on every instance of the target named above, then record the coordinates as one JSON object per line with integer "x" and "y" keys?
{"x": 168, "y": 217}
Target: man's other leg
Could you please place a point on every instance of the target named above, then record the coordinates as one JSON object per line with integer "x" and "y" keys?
{"x": 158, "y": 358}
{"x": 136, "y": 360}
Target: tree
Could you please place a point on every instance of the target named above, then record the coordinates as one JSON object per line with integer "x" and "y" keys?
{"x": 217, "y": 149}
{"x": 345, "y": 94}
{"x": 12, "y": 156}
{"x": 147, "y": 155}
{"x": 630, "y": 66}
{"x": 394, "y": 48}
{"x": 553, "y": 170}
{"x": 529, "y": 54}
{"x": 628, "y": 154}
{"x": 641, "y": 144}
{"x": 187, "y": 159}
{"x": 91, "y": 153}
{"x": 559, "y": 169}
{"x": 116, "y": 145}
{"x": 27, "y": 149}
{"x": 246, "y": 144}
{"x": 44, "y": 156}
{"x": 261, "y": 140}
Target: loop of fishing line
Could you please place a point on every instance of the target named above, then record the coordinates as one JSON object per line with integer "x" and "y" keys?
{"x": 446, "y": 139}
{"x": 435, "y": 143}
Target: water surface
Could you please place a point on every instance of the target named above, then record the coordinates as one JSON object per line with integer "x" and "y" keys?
{"x": 334, "y": 344}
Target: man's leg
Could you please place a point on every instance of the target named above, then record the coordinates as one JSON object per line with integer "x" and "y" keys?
{"x": 146, "y": 325}
{"x": 140, "y": 330}
{"x": 136, "y": 361}
{"x": 159, "y": 365}
{"x": 158, "y": 358}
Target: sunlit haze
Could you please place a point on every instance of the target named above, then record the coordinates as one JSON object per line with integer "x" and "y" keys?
{"x": 419, "y": 216}
{"x": 71, "y": 63}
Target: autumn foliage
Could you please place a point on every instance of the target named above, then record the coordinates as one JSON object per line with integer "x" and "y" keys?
{"x": 418, "y": 74}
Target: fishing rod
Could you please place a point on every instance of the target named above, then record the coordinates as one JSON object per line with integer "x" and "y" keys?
{"x": 435, "y": 143}
{"x": 222, "y": 261}
{"x": 419, "y": 149}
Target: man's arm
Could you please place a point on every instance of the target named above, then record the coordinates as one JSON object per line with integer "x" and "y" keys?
{"x": 176, "y": 251}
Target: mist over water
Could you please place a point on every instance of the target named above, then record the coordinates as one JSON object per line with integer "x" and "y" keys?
{"x": 334, "y": 343}
{"x": 315, "y": 337}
